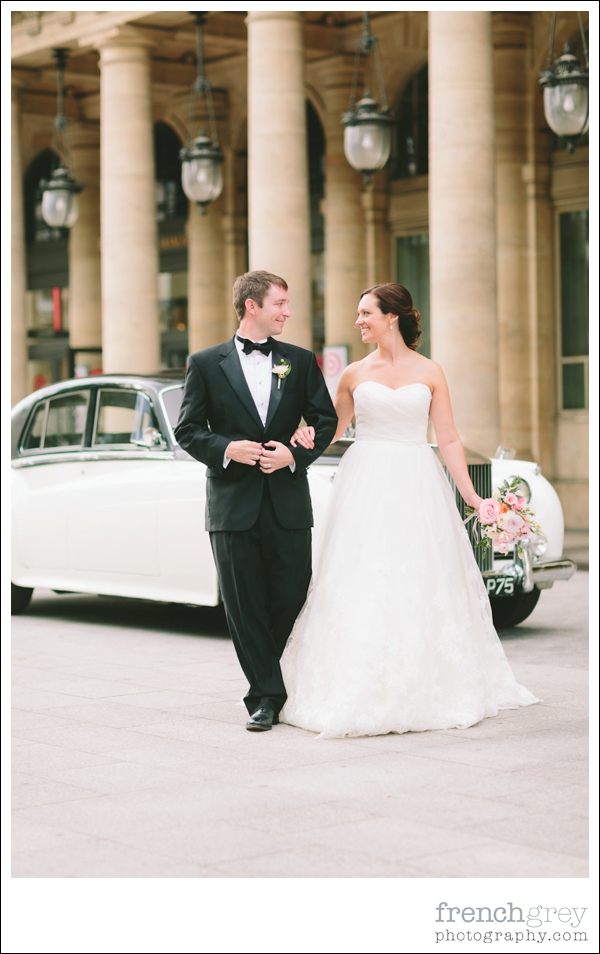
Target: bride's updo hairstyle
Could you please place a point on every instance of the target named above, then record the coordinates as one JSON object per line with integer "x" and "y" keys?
{"x": 394, "y": 299}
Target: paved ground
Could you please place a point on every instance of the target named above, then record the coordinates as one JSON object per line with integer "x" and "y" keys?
{"x": 131, "y": 761}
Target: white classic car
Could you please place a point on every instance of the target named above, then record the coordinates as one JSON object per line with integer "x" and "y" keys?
{"x": 105, "y": 501}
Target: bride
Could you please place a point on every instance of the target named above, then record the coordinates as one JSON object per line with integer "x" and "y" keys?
{"x": 396, "y": 634}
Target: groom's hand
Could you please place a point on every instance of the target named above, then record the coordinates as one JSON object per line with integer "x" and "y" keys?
{"x": 275, "y": 456}
{"x": 245, "y": 452}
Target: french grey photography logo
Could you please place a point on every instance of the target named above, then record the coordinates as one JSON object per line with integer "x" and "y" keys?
{"x": 512, "y": 923}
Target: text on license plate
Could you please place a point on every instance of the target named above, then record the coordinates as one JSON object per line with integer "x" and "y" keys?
{"x": 500, "y": 586}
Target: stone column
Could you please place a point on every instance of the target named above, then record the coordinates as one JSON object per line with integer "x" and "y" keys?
{"x": 511, "y": 79}
{"x": 375, "y": 204}
{"x": 207, "y": 316}
{"x": 462, "y": 220}
{"x": 85, "y": 299}
{"x": 345, "y": 234}
{"x": 18, "y": 270}
{"x": 278, "y": 198}
{"x": 130, "y": 332}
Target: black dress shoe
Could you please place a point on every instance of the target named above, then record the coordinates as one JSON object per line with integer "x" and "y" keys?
{"x": 262, "y": 720}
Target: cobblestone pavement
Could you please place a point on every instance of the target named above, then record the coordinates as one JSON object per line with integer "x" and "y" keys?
{"x": 131, "y": 760}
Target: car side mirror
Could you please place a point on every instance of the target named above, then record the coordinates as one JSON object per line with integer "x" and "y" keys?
{"x": 151, "y": 438}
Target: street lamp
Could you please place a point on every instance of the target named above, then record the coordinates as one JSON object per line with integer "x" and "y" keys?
{"x": 566, "y": 91}
{"x": 60, "y": 207}
{"x": 367, "y": 126}
{"x": 201, "y": 158}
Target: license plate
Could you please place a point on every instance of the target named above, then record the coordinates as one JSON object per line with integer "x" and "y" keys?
{"x": 500, "y": 586}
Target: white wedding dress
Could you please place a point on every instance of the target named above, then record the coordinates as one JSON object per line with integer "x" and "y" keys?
{"x": 396, "y": 634}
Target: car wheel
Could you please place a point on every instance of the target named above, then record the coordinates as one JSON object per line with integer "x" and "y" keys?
{"x": 512, "y": 611}
{"x": 19, "y": 598}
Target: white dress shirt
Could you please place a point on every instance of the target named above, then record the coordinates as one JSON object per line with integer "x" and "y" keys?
{"x": 257, "y": 371}
{"x": 257, "y": 368}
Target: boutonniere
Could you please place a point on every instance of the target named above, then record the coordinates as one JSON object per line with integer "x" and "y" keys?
{"x": 281, "y": 370}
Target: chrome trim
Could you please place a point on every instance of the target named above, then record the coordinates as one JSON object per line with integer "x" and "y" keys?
{"x": 524, "y": 562}
{"x": 527, "y": 575}
{"x": 172, "y": 387}
{"x": 87, "y": 456}
{"x": 555, "y": 570}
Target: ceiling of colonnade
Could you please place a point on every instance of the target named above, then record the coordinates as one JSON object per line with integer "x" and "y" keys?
{"x": 36, "y": 34}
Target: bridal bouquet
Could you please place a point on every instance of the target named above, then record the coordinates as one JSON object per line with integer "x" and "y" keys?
{"x": 505, "y": 519}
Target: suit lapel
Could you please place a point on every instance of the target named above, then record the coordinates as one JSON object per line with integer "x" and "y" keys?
{"x": 232, "y": 369}
{"x": 278, "y": 353}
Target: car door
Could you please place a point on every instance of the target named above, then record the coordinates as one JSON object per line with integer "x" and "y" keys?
{"x": 46, "y": 473}
{"x": 112, "y": 525}
{"x": 187, "y": 566}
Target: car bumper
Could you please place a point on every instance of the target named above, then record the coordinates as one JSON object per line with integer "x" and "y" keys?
{"x": 524, "y": 575}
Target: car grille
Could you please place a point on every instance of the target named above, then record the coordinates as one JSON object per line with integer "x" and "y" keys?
{"x": 480, "y": 472}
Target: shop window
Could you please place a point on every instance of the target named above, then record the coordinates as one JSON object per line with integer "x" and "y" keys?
{"x": 412, "y": 271}
{"x": 172, "y": 301}
{"x": 574, "y": 308}
{"x": 410, "y": 143}
{"x": 173, "y": 318}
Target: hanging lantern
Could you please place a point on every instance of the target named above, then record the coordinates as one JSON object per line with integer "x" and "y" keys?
{"x": 202, "y": 157}
{"x": 367, "y": 125}
{"x": 566, "y": 92}
{"x": 201, "y": 171}
{"x": 60, "y": 207}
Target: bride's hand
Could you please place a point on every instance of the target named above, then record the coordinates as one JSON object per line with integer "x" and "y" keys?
{"x": 305, "y": 436}
{"x": 474, "y": 501}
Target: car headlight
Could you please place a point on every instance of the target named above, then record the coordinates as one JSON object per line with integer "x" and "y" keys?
{"x": 523, "y": 489}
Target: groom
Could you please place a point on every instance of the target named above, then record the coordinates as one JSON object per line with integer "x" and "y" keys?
{"x": 242, "y": 402}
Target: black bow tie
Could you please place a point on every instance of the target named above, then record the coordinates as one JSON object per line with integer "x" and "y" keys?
{"x": 249, "y": 346}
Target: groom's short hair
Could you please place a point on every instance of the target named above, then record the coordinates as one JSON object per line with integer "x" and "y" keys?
{"x": 254, "y": 285}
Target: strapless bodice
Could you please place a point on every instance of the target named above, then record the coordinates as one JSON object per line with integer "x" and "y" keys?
{"x": 397, "y": 416}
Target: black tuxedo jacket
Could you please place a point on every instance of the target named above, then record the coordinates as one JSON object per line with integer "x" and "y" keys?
{"x": 217, "y": 408}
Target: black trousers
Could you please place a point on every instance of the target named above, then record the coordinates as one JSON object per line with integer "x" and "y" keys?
{"x": 264, "y": 575}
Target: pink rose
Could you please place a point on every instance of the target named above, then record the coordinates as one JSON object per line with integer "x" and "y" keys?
{"x": 521, "y": 503}
{"x": 489, "y": 510}
{"x": 511, "y": 499}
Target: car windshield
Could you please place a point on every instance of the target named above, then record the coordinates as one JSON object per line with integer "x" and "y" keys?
{"x": 172, "y": 398}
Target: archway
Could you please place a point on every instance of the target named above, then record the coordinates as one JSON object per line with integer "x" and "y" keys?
{"x": 171, "y": 216}
{"x": 410, "y": 155}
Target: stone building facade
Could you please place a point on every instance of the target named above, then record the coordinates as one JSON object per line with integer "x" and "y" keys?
{"x": 480, "y": 212}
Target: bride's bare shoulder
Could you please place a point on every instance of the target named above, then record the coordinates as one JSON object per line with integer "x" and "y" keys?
{"x": 354, "y": 372}
{"x": 428, "y": 365}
